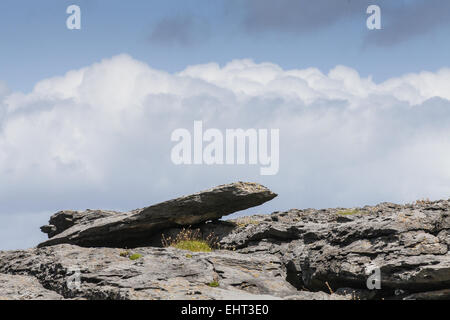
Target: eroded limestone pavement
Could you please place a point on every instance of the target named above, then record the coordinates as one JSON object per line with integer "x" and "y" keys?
{"x": 299, "y": 254}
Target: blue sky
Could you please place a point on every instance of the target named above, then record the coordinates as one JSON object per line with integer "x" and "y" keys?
{"x": 173, "y": 34}
{"x": 86, "y": 115}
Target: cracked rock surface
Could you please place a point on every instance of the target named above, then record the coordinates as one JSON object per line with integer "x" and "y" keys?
{"x": 409, "y": 244}
{"x": 307, "y": 254}
{"x": 159, "y": 274}
{"x": 17, "y": 287}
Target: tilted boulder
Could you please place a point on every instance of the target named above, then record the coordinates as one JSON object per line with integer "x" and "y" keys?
{"x": 130, "y": 229}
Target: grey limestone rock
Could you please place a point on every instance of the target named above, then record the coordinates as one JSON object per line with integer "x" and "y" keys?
{"x": 17, "y": 287}
{"x": 130, "y": 229}
{"x": 310, "y": 254}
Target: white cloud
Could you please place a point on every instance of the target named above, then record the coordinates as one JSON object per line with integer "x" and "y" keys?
{"x": 100, "y": 136}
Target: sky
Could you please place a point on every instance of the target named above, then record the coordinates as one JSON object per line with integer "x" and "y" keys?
{"x": 173, "y": 34}
{"x": 86, "y": 115}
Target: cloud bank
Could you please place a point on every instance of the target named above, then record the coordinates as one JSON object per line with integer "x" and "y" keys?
{"x": 99, "y": 137}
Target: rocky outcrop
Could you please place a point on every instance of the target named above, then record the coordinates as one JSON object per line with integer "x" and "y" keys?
{"x": 409, "y": 244}
{"x": 158, "y": 273}
{"x": 335, "y": 249}
{"x": 134, "y": 228}
{"x": 294, "y": 255}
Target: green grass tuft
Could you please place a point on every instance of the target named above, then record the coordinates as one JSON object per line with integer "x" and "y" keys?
{"x": 124, "y": 254}
{"x": 191, "y": 240}
{"x": 213, "y": 284}
{"x": 135, "y": 256}
{"x": 193, "y": 245}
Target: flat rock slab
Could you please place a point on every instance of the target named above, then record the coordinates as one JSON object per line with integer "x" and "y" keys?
{"x": 130, "y": 229}
{"x": 17, "y": 287}
{"x": 159, "y": 273}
